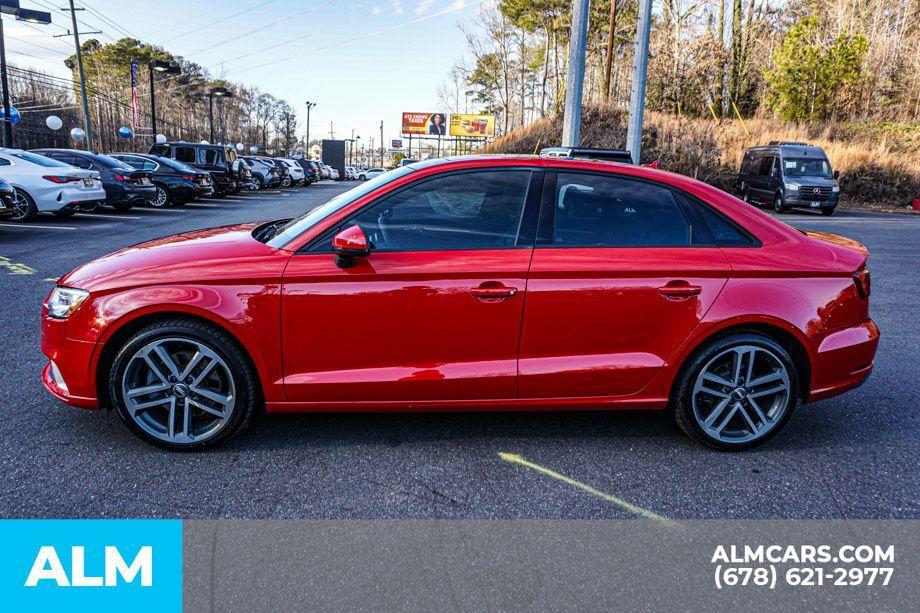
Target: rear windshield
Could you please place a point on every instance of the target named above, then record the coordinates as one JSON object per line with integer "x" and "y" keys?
{"x": 110, "y": 162}
{"x": 174, "y": 164}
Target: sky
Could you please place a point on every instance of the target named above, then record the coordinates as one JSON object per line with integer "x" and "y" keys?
{"x": 361, "y": 61}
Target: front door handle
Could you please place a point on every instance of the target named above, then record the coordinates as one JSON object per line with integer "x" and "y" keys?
{"x": 491, "y": 290}
{"x": 679, "y": 289}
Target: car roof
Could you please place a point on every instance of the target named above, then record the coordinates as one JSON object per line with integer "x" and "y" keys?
{"x": 801, "y": 150}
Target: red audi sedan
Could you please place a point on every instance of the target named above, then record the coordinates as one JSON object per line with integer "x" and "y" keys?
{"x": 478, "y": 283}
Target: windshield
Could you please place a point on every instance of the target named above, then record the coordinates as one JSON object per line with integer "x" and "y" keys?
{"x": 39, "y": 160}
{"x": 806, "y": 167}
{"x": 298, "y": 226}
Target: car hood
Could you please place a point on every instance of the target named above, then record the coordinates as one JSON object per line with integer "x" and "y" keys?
{"x": 202, "y": 256}
{"x": 812, "y": 181}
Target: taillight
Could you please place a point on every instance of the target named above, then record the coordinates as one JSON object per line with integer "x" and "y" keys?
{"x": 122, "y": 178}
{"x": 57, "y": 179}
{"x": 188, "y": 177}
{"x": 863, "y": 281}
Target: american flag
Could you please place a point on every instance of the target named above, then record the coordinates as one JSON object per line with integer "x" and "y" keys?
{"x": 134, "y": 94}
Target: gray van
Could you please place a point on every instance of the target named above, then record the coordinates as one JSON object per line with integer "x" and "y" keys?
{"x": 789, "y": 175}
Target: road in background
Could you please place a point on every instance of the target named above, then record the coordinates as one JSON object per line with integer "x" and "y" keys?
{"x": 849, "y": 457}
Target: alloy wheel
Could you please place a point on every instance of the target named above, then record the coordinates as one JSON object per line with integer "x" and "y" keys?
{"x": 162, "y": 197}
{"x": 741, "y": 394}
{"x": 178, "y": 390}
{"x": 20, "y": 207}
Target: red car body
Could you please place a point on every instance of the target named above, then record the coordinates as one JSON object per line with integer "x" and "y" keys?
{"x": 532, "y": 328}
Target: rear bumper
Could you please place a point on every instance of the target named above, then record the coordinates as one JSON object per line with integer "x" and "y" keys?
{"x": 68, "y": 375}
{"x": 845, "y": 359}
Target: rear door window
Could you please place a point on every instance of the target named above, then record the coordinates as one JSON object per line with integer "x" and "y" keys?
{"x": 212, "y": 157}
{"x": 766, "y": 165}
{"x": 186, "y": 154}
{"x": 609, "y": 211}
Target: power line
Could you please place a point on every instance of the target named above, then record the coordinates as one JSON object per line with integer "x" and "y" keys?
{"x": 100, "y": 15}
{"x": 208, "y": 25}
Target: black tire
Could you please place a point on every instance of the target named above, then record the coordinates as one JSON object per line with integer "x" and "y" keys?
{"x": 63, "y": 214}
{"x": 166, "y": 197}
{"x": 681, "y": 402}
{"x": 778, "y": 204}
{"x": 828, "y": 211}
{"x": 24, "y": 209}
{"x": 123, "y": 206}
{"x": 362, "y": 178}
{"x": 248, "y": 396}
{"x": 260, "y": 183}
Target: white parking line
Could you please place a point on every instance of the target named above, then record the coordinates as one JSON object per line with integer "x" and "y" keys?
{"x": 105, "y": 216}
{"x": 203, "y": 206}
{"x": 22, "y": 225}
{"x": 177, "y": 209}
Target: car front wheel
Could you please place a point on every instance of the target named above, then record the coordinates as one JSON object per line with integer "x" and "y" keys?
{"x": 828, "y": 211}
{"x": 736, "y": 393}
{"x": 183, "y": 385}
{"x": 778, "y": 205}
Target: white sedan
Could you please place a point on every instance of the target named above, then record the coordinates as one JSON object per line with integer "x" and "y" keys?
{"x": 46, "y": 185}
{"x": 370, "y": 173}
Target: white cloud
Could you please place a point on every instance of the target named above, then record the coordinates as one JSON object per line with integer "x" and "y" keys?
{"x": 397, "y": 7}
{"x": 422, "y": 7}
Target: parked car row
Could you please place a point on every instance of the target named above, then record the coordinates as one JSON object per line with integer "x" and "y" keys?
{"x": 65, "y": 181}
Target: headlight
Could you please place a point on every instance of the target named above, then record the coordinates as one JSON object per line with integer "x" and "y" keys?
{"x": 792, "y": 187}
{"x": 835, "y": 189}
{"x": 64, "y": 301}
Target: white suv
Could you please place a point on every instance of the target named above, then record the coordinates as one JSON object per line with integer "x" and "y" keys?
{"x": 46, "y": 185}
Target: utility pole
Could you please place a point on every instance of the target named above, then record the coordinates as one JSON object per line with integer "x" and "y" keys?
{"x": 76, "y": 42}
{"x": 640, "y": 72}
{"x": 608, "y": 61}
{"x": 574, "y": 84}
{"x": 331, "y": 131}
{"x": 381, "y": 143}
{"x": 310, "y": 105}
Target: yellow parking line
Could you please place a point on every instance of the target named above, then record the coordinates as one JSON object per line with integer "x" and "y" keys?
{"x": 516, "y": 459}
{"x": 15, "y": 268}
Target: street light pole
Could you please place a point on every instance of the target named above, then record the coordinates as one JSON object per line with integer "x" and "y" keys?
{"x": 574, "y": 83}
{"x": 640, "y": 71}
{"x": 7, "y": 124}
{"x": 310, "y": 105}
{"x": 12, "y": 7}
{"x": 220, "y": 92}
{"x": 159, "y": 66}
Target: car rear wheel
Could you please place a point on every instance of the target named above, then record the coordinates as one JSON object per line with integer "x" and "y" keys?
{"x": 736, "y": 393}
{"x": 163, "y": 198}
{"x": 64, "y": 214}
{"x": 24, "y": 208}
{"x": 123, "y": 206}
{"x": 183, "y": 385}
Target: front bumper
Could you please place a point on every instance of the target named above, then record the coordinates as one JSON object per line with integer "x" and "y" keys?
{"x": 844, "y": 360}
{"x": 69, "y": 374}
{"x": 794, "y": 199}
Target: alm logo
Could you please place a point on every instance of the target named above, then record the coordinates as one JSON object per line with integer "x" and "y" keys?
{"x": 47, "y": 567}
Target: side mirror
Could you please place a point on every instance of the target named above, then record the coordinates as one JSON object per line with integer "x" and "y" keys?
{"x": 836, "y": 174}
{"x": 349, "y": 245}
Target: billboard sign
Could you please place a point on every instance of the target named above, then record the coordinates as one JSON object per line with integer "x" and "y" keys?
{"x": 472, "y": 125}
{"x": 434, "y": 124}
{"x": 396, "y": 143}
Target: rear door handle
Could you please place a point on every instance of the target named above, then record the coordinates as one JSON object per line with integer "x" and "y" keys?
{"x": 679, "y": 289}
{"x": 493, "y": 291}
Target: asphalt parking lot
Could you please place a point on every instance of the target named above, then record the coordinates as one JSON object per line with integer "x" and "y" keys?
{"x": 850, "y": 457}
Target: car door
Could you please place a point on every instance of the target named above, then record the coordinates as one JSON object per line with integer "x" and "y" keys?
{"x": 620, "y": 277}
{"x": 433, "y": 313}
{"x": 764, "y": 176}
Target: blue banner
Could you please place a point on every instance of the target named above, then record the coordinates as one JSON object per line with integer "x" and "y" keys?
{"x": 91, "y": 565}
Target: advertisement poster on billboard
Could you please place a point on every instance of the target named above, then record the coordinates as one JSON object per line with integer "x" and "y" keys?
{"x": 433, "y": 124}
{"x": 472, "y": 125}
{"x": 396, "y": 143}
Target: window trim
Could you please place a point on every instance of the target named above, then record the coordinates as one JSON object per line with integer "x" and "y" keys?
{"x": 526, "y": 223}
{"x": 546, "y": 228}
{"x": 695, "y": 204}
